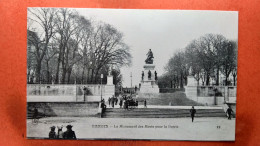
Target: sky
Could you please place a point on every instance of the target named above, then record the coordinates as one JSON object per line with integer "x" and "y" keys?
{"x": 162, "y": 31}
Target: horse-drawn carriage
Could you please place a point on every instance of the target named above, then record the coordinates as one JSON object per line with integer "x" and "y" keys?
{"x": 131, "y": 104}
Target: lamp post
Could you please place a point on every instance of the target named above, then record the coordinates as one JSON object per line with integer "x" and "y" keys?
{"x": 215, "y": 98}
{"x": 89, "y": 68}
{"x": 101, "y": 85}
{"x": 131, "y": 79}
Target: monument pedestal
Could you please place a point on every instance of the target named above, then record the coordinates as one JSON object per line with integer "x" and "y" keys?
{"x": 110, "y": 80}
{"x": 191, "y": 81}
{"x": 109, "y": 88}
{"x": 191, "y": 88}
{"x": 148, "y": 85}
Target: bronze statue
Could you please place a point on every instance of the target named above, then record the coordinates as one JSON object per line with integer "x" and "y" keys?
{"x": 149, "y": 74}
{"x": 155, "y": 75}
{"x": 149, "y": 59}
{"x": 142, "y": 75}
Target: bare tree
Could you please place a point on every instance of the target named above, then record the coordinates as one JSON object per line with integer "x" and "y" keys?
{"x": 177, "y": 67}
{"x": 72, "y": 44}
{"x": 44, "y": 19}
{"x": 66, "y": 27}
{"x": 228, "y": 59}
{"x": 107, "y": 47}
{"x": 50, "y": 53}
{"x": 207, "y": 56}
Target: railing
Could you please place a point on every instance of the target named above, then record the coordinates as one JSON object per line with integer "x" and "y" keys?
{"x": 61, "y": 89}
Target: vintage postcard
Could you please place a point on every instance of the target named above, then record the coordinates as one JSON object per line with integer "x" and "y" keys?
{"x": 131, "y": 74}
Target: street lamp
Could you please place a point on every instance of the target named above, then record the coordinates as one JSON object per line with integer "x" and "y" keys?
{"x": 101, "y": 86}
{"x": 89, "y": 68}
{"x": 215, "y": 98}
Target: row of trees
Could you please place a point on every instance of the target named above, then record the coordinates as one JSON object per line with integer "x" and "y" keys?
{"x": 205, "y": 58}
{"x": 65, "y": 47}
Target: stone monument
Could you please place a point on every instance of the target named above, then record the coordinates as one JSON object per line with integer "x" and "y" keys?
{"x": 110, "y": 77}
{"x": 191, "y": 88}
{"x": 109, "y": 87}
{"x": 148, "y": 82}
{"x": 190, "y": 79}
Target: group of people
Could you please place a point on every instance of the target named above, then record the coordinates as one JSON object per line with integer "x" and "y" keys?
{"x": 112, "y": 101}
{"x": 130, "y": 91}
{"x": 69, "y": 134}
{"x": 193, "y": 112}
{"x": 124, "y": 101}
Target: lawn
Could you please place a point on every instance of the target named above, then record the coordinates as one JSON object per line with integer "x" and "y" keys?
{"x": 177, "y": 98}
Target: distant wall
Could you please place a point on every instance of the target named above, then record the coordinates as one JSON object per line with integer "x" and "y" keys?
{"x": 68, "y": 93}
{"x": 210, "y": 100}
{"x": 64, "y": 109}
{"x": 206, "y": 94}
{"x": 50, "y": 90}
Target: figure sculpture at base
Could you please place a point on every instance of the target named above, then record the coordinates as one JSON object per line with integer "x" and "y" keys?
{"x": 155, "y": 75}
{"x": 142, "y": 75}
{"x": 149, "y": 74}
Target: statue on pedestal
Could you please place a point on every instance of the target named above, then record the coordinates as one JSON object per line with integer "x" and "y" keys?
{"x": 149, "y": 74}
{"x": 149, "y": 59}
{"x": 142, "y": 75}
{"x": 155, "y": 75}
{"x": 52, "y": 79}
{"x": 109, "y": 71}
{"x": 190, "y": 71}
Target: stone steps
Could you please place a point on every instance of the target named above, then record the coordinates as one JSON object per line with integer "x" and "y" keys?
{"x": 63, "y": 109}
{"x": 30, "y": 115}
{"x": 161, "y": 113}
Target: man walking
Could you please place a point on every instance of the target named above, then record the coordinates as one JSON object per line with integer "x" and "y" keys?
{"x": 229, "y": 112}
{"x": 145, "y": 103}
{"x": 85, "y": 92}
{"x": 109, "y": 100}
{"x": 192, "y": 112}
{"x": 113, "y": 101}
{"x": 35, "y": 115}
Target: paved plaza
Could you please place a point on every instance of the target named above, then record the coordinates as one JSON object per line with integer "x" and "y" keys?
{"x": 209, "y": 129}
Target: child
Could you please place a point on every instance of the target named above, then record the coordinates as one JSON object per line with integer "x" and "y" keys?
{"x": 60, "y": 132}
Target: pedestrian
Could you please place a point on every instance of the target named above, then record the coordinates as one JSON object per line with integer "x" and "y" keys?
{"x": 116, "y": 100}
{"x": 103, "y": 107}
{"x": 85, "y": 91}
{"x": 126, "y": 104}
{"x": 35, "y": 115}
{"x": 60, "y": 132}
{"x": 192, "y": 112}
{"x": 113, "y": 101}
{"x": 69, "y": 134}
{"x": 52, "y": 133}
{"x": 120, "y": 103}
{"x": 109, "y": 101}
{"x": 145, "y": 103}
{"x": 229, "y": 112}
{"x": 136, "y": 103}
